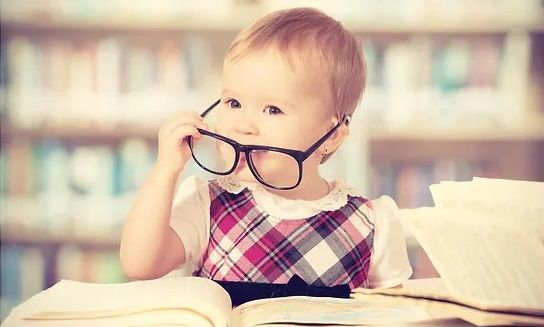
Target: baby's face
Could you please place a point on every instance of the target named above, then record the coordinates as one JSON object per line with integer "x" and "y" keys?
{"x": 266, "y": 101}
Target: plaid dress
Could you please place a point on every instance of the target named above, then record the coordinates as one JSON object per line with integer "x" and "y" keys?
{"x": 247, "y": 244}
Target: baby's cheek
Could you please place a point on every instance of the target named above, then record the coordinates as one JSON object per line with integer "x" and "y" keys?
{"x": 301, "y": 137}
{"x": 294, "y": 142}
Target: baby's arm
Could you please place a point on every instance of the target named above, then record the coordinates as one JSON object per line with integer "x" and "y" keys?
{"x": 149, "y": 247}
{"x": 389, "y": 265}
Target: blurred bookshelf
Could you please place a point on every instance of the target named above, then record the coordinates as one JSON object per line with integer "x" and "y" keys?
{"x": 455, "y": 90}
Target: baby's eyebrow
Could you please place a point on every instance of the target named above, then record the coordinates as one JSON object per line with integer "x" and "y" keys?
{"x": 227, "y": 91}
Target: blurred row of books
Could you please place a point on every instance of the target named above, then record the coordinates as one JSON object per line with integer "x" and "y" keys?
{"x": 58, "y": 82}
{"x": 54, "y": 187}
{"x": 442, "y": 81}
{"x": 111, "y": 81}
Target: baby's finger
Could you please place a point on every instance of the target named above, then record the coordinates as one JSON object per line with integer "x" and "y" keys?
{"x": 175, "y": 129}
{"x": 182, "y": 120}
{"x": 181, "y": 132}
{"x": 182, "y": 117}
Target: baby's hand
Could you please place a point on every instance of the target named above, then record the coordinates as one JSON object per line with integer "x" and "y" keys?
{"x": 174, "y": 151}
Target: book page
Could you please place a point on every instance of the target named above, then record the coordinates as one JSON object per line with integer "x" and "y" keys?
{"x": 152, "y": 318}
{"x": 440, "y": 311}
{"x": 514, "y": 203}
{"x": 128, "y": 302}
{"x": 312, "y": 310}
{"x": 486, "y": 264}
{"x": 425, "y": 284}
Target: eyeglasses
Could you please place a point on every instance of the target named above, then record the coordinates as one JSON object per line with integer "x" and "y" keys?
{"x": 275, "y": 167}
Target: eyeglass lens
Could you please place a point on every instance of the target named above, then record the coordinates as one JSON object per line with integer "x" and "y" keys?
{"x": 273, "y": 168}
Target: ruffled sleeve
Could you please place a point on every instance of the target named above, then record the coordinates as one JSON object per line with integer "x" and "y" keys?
{"x": 389, "y": 265}
{"x": 190, "y": 219}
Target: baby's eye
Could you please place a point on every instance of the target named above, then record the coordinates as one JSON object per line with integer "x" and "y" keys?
{"x": 233, "y": 103}
{"x": 273, "y": 110}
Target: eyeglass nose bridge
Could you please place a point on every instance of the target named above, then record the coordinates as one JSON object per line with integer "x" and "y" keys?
{"x": 241, "y": 148}
{"x": 245, "y": 150}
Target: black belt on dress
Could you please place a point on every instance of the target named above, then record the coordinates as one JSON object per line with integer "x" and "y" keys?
{"x": 241, "y": 292}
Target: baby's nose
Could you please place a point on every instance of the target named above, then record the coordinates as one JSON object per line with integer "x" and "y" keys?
{"x": 246, "y": 126}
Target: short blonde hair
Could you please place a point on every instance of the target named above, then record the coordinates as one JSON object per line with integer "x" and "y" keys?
{"x": 309, "y": 34}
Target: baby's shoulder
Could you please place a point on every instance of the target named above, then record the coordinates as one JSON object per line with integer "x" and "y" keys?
{"x": 383, "y": 203}
{"x": 382, "y": 208}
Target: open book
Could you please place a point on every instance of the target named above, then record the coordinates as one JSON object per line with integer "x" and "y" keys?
{"x": 487, "y": 247}
{"x": 191, "y": 301}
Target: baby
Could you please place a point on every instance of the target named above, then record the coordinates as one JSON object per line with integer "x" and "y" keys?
{"x": 291, "y": 82}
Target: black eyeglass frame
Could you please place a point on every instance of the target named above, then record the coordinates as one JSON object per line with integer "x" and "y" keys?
{"x": 299, "y": 156}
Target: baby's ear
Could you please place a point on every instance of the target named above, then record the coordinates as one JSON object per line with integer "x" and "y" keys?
{"x": 344, "y": 129}
{"x": 334, "y": 142}
{"x": 339, "y": 135}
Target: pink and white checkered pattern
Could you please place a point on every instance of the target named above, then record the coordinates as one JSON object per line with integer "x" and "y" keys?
{"x": 330, "y": 248}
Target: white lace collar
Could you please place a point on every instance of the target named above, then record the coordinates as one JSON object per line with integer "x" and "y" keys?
{"x": 283, "y": 208}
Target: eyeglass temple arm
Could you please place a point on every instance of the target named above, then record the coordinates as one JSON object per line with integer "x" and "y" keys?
{"x": 207, "y": 111}
{"x": 345, "y": 120}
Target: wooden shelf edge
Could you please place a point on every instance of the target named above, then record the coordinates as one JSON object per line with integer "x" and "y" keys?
{"x": 405, "y": 134}
{"x": 39, "y": 238}
{"x": 435, "y": 134}
{"x": 86, "y": 133}
{"x": 191, "y": 24}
